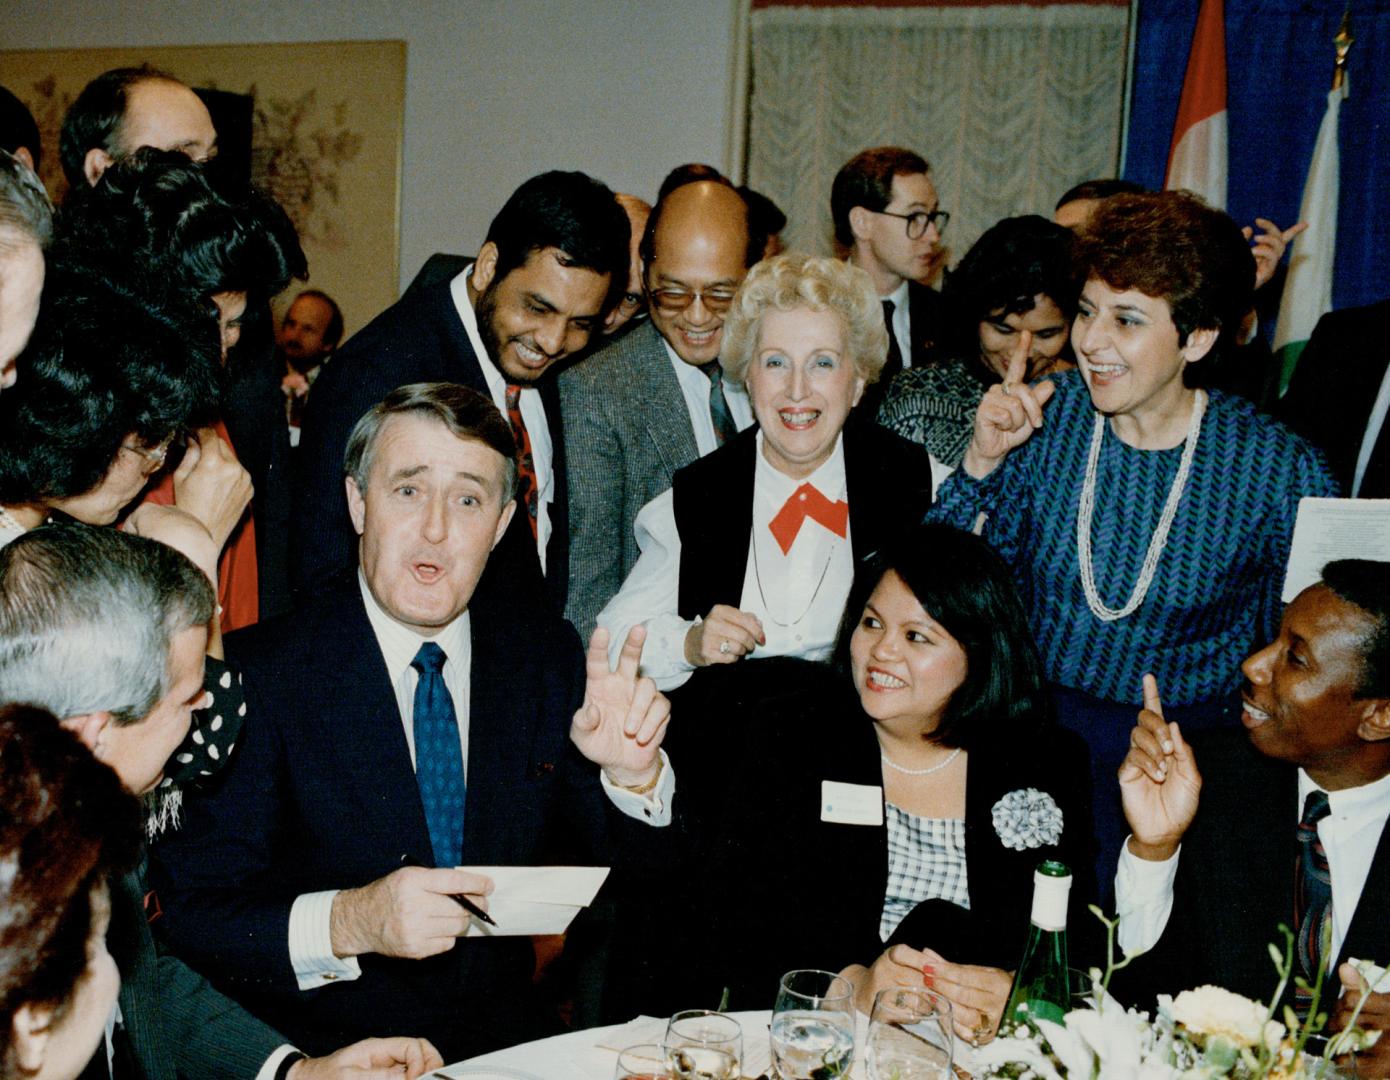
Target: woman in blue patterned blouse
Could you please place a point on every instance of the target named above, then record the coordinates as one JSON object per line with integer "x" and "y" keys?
{"x": 1148, "y": 521}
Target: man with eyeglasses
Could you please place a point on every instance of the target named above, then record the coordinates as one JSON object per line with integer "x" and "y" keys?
{"x": 887, "y": 219}
{"x": 653, "y": 400}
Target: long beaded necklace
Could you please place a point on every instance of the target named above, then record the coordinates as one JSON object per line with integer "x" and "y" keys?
{"x": 1157, "y": 542}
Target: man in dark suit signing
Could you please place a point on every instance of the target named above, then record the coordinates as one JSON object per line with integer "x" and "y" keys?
{"x": 555, "y": 260}
{"x": 107, "y": 630}
{"x": 1339, "y": 397}
{"x": 1285, "y": 823}
{"x": 398, "y": 728}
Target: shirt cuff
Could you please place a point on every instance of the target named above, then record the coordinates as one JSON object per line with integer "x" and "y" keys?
{"x": 1143, "y": 898}
{"x": 272, "y": 1063}
{"x": 311, "y": 943}
{"x": 654, "y": 807}
{"x": 663, "y": 653}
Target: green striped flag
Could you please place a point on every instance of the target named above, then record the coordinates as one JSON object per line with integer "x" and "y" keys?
{"x": 1308, "y": 287}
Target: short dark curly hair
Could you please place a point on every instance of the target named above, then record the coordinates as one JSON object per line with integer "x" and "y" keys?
{"x": 1366, "y": 584}
{"x": 1005, "y": 269}
{"x": 103, "y": 364}
{"x": 1172, "y": 246}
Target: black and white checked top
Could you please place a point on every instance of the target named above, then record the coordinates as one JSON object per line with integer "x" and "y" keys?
{"x": 926, "y": 861}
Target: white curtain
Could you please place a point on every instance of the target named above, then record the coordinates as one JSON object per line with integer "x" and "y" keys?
{"x": 1011, "y": 105}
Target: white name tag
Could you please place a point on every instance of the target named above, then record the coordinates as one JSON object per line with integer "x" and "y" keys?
{"x": 851, "y": 804}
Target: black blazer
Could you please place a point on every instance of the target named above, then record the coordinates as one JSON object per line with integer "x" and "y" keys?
{"x": 1235, "y": 883}
{"x": 321, "y": 795}
{"x": 888, "y": 484}
{"x": 798, "y": 892}
{"x": 925, "y": 326}
{"x": 420, "y": 338}
{"x": 1334, "y": 386}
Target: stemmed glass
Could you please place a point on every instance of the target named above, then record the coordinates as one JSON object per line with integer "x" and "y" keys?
{"x": 909, "y": 1036}
{"x": 813, "y": 1026}
{"x": 703, "y": 1045}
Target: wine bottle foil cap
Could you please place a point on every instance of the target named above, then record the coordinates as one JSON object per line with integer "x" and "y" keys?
{"x": 1050, "y": 900}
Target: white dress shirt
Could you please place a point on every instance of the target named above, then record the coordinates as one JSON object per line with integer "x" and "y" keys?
{"x": 310, "y": 932}
{"x": 799, "y": 597}
{"x": 902, "y": 322}
{"x": 1373, "y": 428}
{"x": 695, "y": 386}
{"x": 1349, "y": 835}
{"x": 532, "y": 412}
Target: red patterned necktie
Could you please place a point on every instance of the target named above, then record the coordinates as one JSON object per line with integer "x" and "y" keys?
{"x": 807, "y": 502}
{"x": 527, "y": 489}
{"x": 1312, "y": 895}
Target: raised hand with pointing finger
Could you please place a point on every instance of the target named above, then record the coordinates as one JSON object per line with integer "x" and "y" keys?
{"x": 623, "y": 719}
{"x": 1007, "y": 417}
{"x": 1159, "y": 781}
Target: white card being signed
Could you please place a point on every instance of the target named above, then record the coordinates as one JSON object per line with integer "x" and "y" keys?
{"x": 535, "y": 899}
{"x": 851, "y": 804}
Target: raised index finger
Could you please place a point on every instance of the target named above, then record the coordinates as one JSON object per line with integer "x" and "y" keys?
{"x": 596, "y": 659}
{"x": 1018, "y": 368}
{"x": 1151, "y": 699}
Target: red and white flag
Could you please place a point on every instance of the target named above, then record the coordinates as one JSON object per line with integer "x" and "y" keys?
{"x": 1197, "y": 160}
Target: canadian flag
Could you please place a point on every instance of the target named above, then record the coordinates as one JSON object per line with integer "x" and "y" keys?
{"x": 1197, "y": 160}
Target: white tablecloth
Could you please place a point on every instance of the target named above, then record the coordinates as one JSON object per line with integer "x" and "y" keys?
{"x": 593, "y": 1054}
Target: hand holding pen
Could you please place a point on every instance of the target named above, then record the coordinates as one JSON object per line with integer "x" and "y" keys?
{"x": 411, "y": 913}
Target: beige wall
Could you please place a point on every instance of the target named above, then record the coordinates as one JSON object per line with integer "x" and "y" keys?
{"x": 496, "y": 90}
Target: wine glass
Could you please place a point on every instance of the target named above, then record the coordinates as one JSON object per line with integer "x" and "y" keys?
{"x": 646, "y": 1061}
{"x": 909, "y": 1036}
{"x": 813, "y": 1026}
{"x": 703, "y": 1044}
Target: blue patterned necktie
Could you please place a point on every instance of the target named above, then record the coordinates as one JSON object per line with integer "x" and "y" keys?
{"x": 438, "y": 756}
{"x": 1312, "y": 896}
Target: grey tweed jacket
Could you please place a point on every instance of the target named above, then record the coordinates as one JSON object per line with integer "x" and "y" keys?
{"x": 627, "y": 431}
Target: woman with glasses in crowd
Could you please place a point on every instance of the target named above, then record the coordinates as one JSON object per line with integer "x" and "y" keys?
{"x": 1013, "y": 294}
{"x": 1148, "y": 520}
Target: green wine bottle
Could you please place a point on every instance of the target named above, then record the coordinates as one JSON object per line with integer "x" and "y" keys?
{"x": 1041, "y": 989}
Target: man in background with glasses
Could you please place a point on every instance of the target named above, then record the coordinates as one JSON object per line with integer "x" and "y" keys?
{"x": 887, "y": 220}
{"x": 654, "y": 400}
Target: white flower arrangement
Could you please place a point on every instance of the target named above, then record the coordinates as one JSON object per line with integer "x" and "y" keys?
{"x": 1027, "y": 818}
{"x": 1202, "y": 1034}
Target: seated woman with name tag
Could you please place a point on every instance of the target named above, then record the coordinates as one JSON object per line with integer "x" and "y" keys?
{"x": 887, "y": 825}
{"x": 752, "y": 552}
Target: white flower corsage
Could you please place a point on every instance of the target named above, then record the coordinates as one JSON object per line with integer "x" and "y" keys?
{"x": 1027, "y": 818}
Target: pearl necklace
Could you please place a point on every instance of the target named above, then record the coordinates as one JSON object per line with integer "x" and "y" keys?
{"x": 1157, "y": 542}
{"x": 919, "y": 772}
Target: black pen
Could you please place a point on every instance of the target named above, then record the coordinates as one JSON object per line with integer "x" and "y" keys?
{"x": 458, "y": 898}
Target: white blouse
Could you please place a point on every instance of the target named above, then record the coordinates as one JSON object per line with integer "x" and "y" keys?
{"x": 799, "y": 596}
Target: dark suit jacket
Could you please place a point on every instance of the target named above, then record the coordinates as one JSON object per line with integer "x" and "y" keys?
{"x": 177, "y": 1023}
{"x": 888, "y": 484}
{"x": 321, "y": 795}
{"x": 925, "y": 320}
{"x": 1235, "y": 883}
{"x": 800, "y": 892}
{"x": 420, "y": 338}
{"x": 1335, "y": 384}
{"x": 627, "y": 431}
